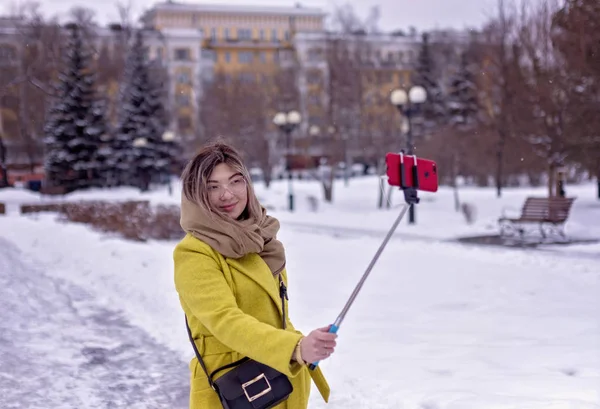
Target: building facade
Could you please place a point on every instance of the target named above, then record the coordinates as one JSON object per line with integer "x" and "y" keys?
{"x": 250, "y": 42}
{"x": 197, "y": 43}
{"x": 345, "y": 81}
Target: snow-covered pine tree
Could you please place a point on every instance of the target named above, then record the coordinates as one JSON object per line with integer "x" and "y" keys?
{"x": 140, "y": 154}
{"x": 462, "y": 106}
{"x": 433, "y": 110}
{"x": 98, "y": 129}
{"x": 73, "y": 127}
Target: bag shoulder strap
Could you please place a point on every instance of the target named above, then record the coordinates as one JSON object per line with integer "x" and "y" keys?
{"x": 282, "y": 294}
{"x": 201, "y": 361}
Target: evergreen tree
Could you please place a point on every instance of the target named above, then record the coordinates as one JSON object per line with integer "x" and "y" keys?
{"x": 462, "y": 106}
{"x": 462, "y": 110}
{"x": 74, "y": 127}
{"x": 140, "y": 154}
{"x": 104, "y": 170}
{"x": 433, "y": 110}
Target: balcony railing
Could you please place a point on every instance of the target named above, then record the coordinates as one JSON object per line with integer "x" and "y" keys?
{"x": 245, "y": 43}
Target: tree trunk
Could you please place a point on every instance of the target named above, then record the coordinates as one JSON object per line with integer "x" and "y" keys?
{"x": 454, "y": 183}
{"x": 500, "y": 163}
{"x": 327, "y": 181}
{"x": 388, "y": 203}
{"x": 380, "y": 167}
{"x": 267, "y": 176}
{"x": 598, "y": 179}
{"x": 551, "y": 180}
{"x": 3, "y": 166}
{"x": 381, "y": 193}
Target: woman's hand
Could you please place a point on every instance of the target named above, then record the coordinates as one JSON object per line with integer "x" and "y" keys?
{"x": 318, "y": 345}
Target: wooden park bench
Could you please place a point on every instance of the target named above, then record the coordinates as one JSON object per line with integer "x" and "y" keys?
{"x": 548, "y": 213}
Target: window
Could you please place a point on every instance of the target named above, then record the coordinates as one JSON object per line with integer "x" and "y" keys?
{"x": 287, "y": 35}
{"x": 160, "y": 53}
{"x": 227, "y": 56}
{"x": 286, "y": 56}
{"x": 314, "y": 99}
{"x": 274, "y": 35}
{"x": 247, "y": 77}
{"x": 262, "y": 56}
{"x": 182, "y": 54}
{"x": 213, "y": 33}
{"x": 227, "y": 34}
{"x": 209, "y": 55}
{"x": 7, "y": 54}
{"x": 208, "y": 76}
{"x": 183, "y": 78}
{"x": 183, "y": 100}
{"x": 245, "y": 57}
{"x": 314, "y": 55}
{"x": 184, "y": 122}
{"x": 262, "y": 34}
{"x": 313, "y": 77}
{"x": 244, "y": 34}
{"x": 316, "y": 120}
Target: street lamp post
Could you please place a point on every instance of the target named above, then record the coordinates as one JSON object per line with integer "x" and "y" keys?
{"x": 169, "y": 137}
{"x": 141, "y": 173}
{"x": 346, "y": 161}
{"x": 315, "y": 131}
{"x": 407, "y": 104}
{"x": 287, "y": 122}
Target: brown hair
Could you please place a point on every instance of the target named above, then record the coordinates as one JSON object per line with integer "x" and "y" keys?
{"x": 195, "y": 176}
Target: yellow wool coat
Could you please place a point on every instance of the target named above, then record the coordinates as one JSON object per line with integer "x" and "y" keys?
{"x": 234, "y": 310}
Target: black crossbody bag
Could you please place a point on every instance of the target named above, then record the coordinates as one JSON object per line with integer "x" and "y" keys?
{"x": 250, "y": 385}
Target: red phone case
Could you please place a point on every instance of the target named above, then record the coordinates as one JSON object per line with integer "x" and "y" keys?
{"x": 426, "y": 171}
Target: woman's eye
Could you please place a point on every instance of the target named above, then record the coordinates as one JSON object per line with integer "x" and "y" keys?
{"x": 213, "y": 187}
{"x": 237, "y": 181}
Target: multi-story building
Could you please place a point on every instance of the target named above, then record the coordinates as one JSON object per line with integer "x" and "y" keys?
{"x": 252, "y": 41}
{"x": 235, "y": 37}
{"x": 345, "y": 81}
{"x": 22, "y": 156}
{"x": 197, "y": 42}
{"x": 248, "y": 42}
{"x": 10, "y": 51}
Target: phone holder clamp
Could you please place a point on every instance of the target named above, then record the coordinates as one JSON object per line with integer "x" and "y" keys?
{"x": 410, "y": 192}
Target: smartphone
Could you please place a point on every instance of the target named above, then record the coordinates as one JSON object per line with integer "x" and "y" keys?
{"x": 427, "y": 174}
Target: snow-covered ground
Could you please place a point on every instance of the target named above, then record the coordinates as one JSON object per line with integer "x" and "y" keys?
{"x": 438, "y": 325}
{"x": 60, "y": 349}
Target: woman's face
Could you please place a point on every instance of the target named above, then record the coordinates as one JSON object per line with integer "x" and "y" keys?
{"x": 227, "y": 191}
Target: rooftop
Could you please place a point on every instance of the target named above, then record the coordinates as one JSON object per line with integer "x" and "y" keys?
{"x": 298, "y": 10}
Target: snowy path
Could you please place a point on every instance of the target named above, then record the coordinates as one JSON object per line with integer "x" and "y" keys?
{"x": 60, "y": 349}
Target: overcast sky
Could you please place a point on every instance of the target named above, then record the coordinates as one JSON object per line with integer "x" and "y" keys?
{"x": 395, "y": 14}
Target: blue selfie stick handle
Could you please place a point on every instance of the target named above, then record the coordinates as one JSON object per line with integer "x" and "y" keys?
{"x": 332, "y": 330}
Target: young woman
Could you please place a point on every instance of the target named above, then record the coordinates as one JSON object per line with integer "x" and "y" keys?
{"x": 227, "y": 274}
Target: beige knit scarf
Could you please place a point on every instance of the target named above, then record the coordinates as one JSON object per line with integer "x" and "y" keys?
{"x": 235, "y": 239}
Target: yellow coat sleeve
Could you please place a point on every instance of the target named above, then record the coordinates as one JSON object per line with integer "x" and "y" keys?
{"x": 202, "y": 287}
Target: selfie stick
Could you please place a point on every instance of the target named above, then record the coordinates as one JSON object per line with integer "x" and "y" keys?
{"x": 410, "y": 196}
